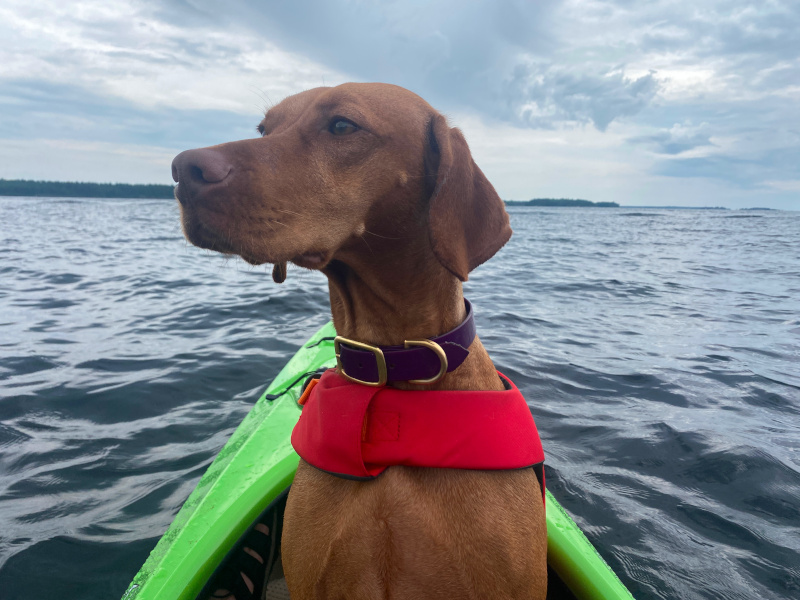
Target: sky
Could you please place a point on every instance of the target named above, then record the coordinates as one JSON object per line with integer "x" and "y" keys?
{"x": 665, "y": 102}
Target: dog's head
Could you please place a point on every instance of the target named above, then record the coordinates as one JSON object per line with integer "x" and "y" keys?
{"x": 334, "y": 164}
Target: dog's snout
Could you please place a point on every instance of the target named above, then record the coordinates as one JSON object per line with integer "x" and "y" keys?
{"x": 197, "y": 168}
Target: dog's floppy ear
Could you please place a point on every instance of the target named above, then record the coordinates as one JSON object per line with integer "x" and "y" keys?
{"x": 468, "y": 222}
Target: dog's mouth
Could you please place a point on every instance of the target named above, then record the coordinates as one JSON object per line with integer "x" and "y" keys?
{"x": 204, "y": 236}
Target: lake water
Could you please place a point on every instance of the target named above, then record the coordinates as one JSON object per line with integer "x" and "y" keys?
{"x": 659, "y": 351}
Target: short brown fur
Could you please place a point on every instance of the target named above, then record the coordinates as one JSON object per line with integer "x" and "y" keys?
{"x": 395, "y": 214}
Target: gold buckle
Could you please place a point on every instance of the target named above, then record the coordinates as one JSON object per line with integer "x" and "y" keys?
{"x": 437, "y": 349}
{"x": 379, "y": 359}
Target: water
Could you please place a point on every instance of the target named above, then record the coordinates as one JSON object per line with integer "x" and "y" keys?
{"x": 659, "y": 351}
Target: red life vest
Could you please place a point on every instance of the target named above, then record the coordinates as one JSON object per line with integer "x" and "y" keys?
{"x": 355, "y": 431}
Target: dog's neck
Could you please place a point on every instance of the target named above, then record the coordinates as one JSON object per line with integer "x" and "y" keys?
{"x": 386, "y": 306}
{"x": 391, "y": 303}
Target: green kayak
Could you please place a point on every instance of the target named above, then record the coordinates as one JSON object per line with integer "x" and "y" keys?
{"x": 255, "y": 468}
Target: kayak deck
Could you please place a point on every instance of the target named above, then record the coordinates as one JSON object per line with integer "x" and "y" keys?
{"x": 257, "y": 465}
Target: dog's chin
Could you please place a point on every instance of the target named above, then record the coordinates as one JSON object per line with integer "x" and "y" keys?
{"x": 254, "y": 260}
{"x": 202, "y": 238}
{"x": 312, "y": 260}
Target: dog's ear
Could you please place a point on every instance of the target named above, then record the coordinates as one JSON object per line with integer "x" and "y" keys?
{"x": 468, "y": 221}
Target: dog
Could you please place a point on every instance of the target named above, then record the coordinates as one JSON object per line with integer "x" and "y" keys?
{"x": 368, "y": 184}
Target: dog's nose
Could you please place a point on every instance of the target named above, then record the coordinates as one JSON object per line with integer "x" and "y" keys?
{"x": 197, "y": 168}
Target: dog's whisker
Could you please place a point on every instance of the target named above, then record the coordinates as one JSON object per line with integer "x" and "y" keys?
{"x": 267, "y": 221}
{"x": 363, "y": 239}
{"x": 385, "y": 237}
{"x": 291, "y": 212}
{"x": 268, "y": 103}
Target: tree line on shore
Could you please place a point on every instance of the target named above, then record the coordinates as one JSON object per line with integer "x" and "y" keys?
{"x": 75, "y": 189}
{"x": 560, "y": 202}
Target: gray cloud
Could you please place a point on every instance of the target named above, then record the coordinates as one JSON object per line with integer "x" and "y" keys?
{"x": 676, "y": 140}
{"x": 747, "y": 173}
{"x": 747, "y": 143}
{"x": 532, "y": 63}
{"x": 455, "y": 54}
{"x": 755, "y": 28}
{"x": 541, "y": 94}
{"x": 490, "y": 56}
{"x": 742, "y": 38}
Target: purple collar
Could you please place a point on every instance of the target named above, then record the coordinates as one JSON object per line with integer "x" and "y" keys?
{"x": 417, "y": 361}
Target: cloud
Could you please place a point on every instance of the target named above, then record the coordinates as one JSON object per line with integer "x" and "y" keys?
{"x": 751, "y": 173}
{"x": 123, "y": 50}
{"x": 564, "y": 161}
{"x": 730, "y": 44}
{"x": 488, "y": 56}
{"x": 603, "y": 166}
{"x": 676, "y": 140}
{"x": 541, "y": 94}
{"x": 743, "y": 143}
{"x": 455, "y": 54}
{"x": 744, "y": 28}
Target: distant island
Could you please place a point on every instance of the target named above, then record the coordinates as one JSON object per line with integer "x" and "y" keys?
{"x": 681, "y": 207}
{"x": 560, "y": 202}
{"x": 70, "y": 189}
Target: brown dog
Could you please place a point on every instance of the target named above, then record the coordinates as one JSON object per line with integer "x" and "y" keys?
{"x": 368, "y": 183}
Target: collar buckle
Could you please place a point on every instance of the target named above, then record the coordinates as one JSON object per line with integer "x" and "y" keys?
{"x": 380, "y": 359}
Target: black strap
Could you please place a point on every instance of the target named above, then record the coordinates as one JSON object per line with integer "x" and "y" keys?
{"x": 276, "y": 532}
{"x": 259, "y": 542}
{"x": 240, "y": 590}
{"x": 308, "y": 375}
{"x": 272, "y": 397}
{"x": 320, "y": 340}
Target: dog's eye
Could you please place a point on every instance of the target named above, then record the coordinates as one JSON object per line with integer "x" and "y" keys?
{"x": 260, "y": 129}
{"x": 342, "y": 127}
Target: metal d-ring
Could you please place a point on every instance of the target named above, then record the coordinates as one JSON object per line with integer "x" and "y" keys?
{"x": 437, "y": 349}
